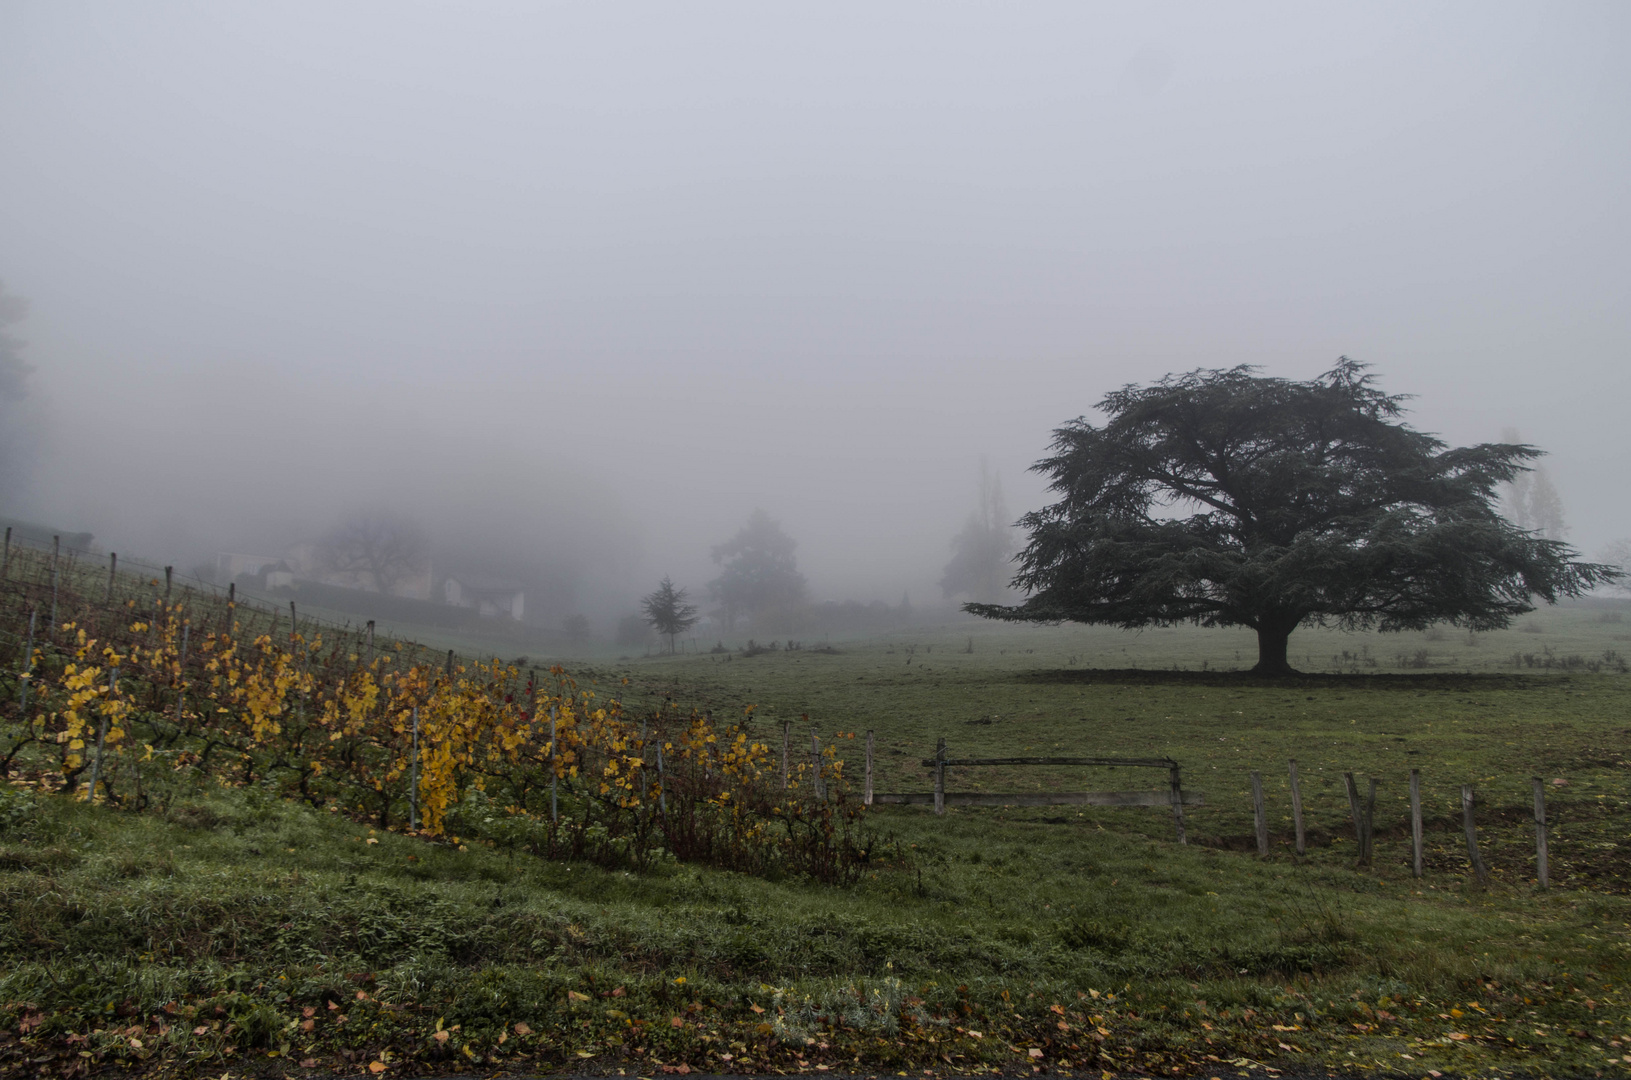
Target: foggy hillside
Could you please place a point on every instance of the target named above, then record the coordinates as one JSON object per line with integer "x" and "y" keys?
{"x": 579, "y": 288}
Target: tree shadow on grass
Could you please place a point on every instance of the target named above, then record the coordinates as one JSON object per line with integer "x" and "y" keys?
{"x": 1440, "y": 680}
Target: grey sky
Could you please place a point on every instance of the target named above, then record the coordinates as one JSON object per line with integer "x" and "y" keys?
{"x": 614, "y": 275}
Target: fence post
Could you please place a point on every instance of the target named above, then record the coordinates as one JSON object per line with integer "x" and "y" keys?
{"x": 1471, "y": 828}
{"x": 27, "y": 674}
{"x": 101, "y": 737}
{"x": 5, "y": 561}
{"x": 294, "y": 624}
{"x": 168, "y": 571}
{"x": 868, "y": 795}
{"x": 1174, "y": 779}
{"x": 1297, "y": 809}
{"x": 1370, "y": 823}
{"x": 371, "y": 645}
{"x": 1258, "y": 813}
{"x": 787, "y": 736}
{"x": 817, "y": 785}
{"x": 113, "y": 569}
{"x": 450, "y": 667}
{"x": 1357, "y": 811}
{"x": 940, "y": 775}
{"x": 413, "y": 775}
{"x": 662, "y": 784}
{"x": 232, "y": 606}
{"x": 1415, "y": 821}
{"x": 1541, "y": 874}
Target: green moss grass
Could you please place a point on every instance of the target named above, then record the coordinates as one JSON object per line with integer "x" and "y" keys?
{"x": 234, "y": 932}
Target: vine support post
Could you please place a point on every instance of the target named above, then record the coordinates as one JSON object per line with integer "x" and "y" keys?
{"x": 371, "y": 643}
{"x": 1174, "y": 778}
{"x": 27, "y": 674}
{"x": 56, "y": 550}
{"x": 181, "y": 670}
{"x": 101, "y": 737}
{"x": 554, "y": 780}
{"x": 232, "y": 606}
{"x": 5, "y": 561}
{"x": 1415, "y": 822}
{"x": 450, "y": 667}
{"x": 817, "y": 785}
{"x": 169, "y": 572}
{"x": 1297, "y": 809}
{"x": 787, "y": 737}
{"x": 413, "y": 775}
{"x": 868, "y": 794}
{"x": 113, "y": 571}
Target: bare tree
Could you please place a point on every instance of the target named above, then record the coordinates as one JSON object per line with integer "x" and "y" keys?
{"x": 17, "y": 424}
{"x": 758, "y": 573}
{"x": 1618, "y": 554}
{"x": 385, "y": 547}
{"x": 1530, "y": 500}
{"x": 980, "y": 553}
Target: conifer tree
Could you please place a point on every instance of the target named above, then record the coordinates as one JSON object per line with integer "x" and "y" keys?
{"x": 1315, "y": 504}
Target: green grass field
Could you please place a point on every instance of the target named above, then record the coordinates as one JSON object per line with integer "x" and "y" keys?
{"x": 229, "y": 931}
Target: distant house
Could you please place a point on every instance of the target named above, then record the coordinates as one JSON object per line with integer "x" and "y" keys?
{"x": 495, "y": 597}
{"x": 232, "y": 567}
{"x": 279, "y": 576}
{"x": 306, "y": 559}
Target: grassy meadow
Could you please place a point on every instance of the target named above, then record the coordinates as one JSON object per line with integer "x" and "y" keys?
{"x": 225, "y": 930}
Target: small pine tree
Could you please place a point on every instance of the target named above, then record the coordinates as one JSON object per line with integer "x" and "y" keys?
{"x": 667, "y": 611}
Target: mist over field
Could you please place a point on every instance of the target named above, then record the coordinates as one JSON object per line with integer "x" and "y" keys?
{"x": 579, "y": 288}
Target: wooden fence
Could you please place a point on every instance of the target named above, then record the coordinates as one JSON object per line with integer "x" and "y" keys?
{"x": 1172, "y": 795}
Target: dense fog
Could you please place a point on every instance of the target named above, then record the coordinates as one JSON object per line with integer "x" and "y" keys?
{"x": 575, "y": 289}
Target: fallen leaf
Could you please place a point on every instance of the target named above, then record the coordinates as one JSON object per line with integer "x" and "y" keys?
{"x": 573, "y": 995}
{"x": 440, "y": 1036}
{"x": 523, "y": 1029}
{"x": 376, "y": 1067}
{"x": 1457, "y": 1036}
{"x": 200, "y": 1029}
{"x": 1034, "y": 1052}
{"x": 308, "y": 1063}
{"x": 676, "y": 1022}
{"x": 756, "y": 1008}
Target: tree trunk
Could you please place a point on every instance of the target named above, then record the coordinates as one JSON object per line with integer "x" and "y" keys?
{"x": 1273, "y": 635}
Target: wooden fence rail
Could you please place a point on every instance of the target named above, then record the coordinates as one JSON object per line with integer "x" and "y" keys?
{"x": 1173, "y": 796}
